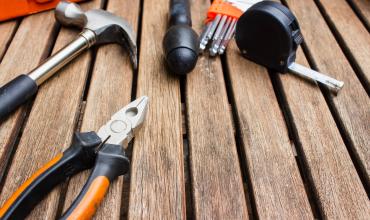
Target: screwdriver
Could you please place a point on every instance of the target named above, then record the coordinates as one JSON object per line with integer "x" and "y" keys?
{"x": 276, "y": 51}
{"x": 220, "y": 24}
{"x": 180, "y": 43}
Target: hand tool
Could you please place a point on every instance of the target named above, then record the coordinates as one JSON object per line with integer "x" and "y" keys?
{"x": 180, "y": 43}
{"x": 99, "y": 27}
{"x": 220, "y": 24}
{"x": 268, "y": 34}
{"x": 104, "y": 148}
{"x": 13, "y": 9}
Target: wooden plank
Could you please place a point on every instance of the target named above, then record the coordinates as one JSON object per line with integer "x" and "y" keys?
{"x": 363, "y": 8}
{"x": 352, "y": 104}
{"x": 355, "y": 37}
{"x": 277, "y": 187}
{"x": 338, "y": 188}
{"x": 216, "y": 179}
{"x": 110, "y": 90}
{"x": 50, "y": 124}
{"x": 157, "y": 188}
{"x": 324, "y": 153}
{"x": 29, "y": 46}
{"x": 7, "y": 30}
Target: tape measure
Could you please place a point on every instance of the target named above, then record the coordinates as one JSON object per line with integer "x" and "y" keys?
{"x": 268, "y": 34}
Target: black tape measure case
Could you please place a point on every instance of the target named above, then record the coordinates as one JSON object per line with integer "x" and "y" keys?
{"x": 268, "y": 34}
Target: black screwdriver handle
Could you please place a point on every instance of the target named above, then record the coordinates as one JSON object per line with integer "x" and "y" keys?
{"x": 180, "y": 12}
{"x": 111, "y": 162}
{"x": 15, "y": 93}
{"x": 79, "y": 156}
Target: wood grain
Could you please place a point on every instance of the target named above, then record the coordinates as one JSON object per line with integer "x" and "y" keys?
{"x": 346, "y": 23}
{"x": 276, "y": 183}
{"x": 354, "y": 35}
{"x": 216, "y": 180}
{"x": 338, "y": 187}
{"x": 157, "y": 188}
{"x": 110, "y": 90}
{"x": 352, "y": 104}
{"x": 363, "y": 8}
{"x": 336, "y": 184}
{"x": 7, "y": 30}
{"x": 50, "y": 124}
{"x": 27, "y": 49}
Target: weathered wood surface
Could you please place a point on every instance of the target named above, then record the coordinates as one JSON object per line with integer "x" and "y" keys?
{"x": 320, "y": 145}
{"x": 276, "y": 184}
{"x": 363, "y": 8}
{"x": 216, "y": 176}
{"x": 109, "y": 91}
{"x": 301, "y": 150}
{"x": 29, "y": 47}
{"x": 342, "y": 18}
{"x": 348, "y": 199}
{"x": 157, "y": 188}
{"x": 352, "y": 104}
{"x": 51, "y": 123}
{"x": 7, "y": 29}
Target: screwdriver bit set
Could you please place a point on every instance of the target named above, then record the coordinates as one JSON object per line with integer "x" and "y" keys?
{"x": 220, "y": 24}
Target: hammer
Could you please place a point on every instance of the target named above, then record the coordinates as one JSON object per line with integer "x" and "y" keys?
{"x": 98, "y": 27}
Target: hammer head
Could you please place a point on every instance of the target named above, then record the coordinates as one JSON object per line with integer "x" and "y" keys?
{"x": 108, "y": 28}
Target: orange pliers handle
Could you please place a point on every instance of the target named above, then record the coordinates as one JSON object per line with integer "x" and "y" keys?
{"x": 12, "y": 9}
{"x": 108, "y": 163}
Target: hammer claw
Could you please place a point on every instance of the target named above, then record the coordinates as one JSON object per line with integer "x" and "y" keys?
{"x": 107, "y": 27}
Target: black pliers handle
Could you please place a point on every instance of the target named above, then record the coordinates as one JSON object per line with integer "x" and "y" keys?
{"x": 81, "y": 155}
{"x": 111, "y": 162}
{"x": 104, "y": 149}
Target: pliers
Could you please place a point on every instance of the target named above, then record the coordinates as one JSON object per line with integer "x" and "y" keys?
{"x": 102, "y": 150}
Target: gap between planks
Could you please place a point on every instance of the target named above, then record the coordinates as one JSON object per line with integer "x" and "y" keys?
{"x": 343, "y": 22}
{"x": 316, "y": 44}
{"x": 51, "y": 98}
{"x": 157, "y": 179}
{"x": 8, "y": 30}
{"x": 31, "y": 56}
{"x": 362, "y": 9}
{"x": 111, "y": 87}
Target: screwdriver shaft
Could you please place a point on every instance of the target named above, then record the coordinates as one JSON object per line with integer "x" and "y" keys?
{"x": 216, "y": 44}
{"x": 209, "y": 35}
{"x": 204, "y": 34}
{"x": 219, "y": 28}
{"x": 229, "y": 35}
{"x": 214, "y": 26}
{"x": 222, "y": 28}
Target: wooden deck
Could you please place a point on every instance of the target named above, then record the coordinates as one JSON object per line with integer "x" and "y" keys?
{"x": 229, "y": 141}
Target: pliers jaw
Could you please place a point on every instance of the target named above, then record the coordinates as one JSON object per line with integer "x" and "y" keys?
{"x": 105, "y": 148}
{"x": 125, "y": 123}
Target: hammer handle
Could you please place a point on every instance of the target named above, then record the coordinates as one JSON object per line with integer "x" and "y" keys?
{"x": 15, "y": 93}
{"x": 21, "y": 89}
{"x": 54, "y": 63}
